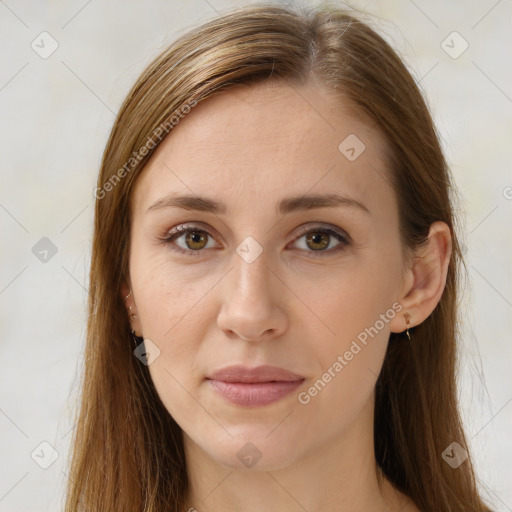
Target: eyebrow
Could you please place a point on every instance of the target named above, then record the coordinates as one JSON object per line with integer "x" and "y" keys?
{"x": 285, "y": 206}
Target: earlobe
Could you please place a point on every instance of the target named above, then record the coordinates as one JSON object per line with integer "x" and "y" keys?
{"x": 131, "y": 309}
{"x": 426, "y": 279}
{"x": 126, "y": 294}
{"x": 125, "y": 290}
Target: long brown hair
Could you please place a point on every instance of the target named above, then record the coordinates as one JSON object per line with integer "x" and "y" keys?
{"x": 127, "y": 452}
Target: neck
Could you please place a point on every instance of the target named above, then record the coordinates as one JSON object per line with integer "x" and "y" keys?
{"x": 338, "y": 474}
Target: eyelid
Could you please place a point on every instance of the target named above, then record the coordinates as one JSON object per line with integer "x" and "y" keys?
{"x": 306, "y": 228}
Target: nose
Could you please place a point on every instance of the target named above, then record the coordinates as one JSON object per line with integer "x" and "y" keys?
{"x": 252, "y": 305}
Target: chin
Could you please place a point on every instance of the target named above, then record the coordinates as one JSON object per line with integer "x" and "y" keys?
{"x": 254, "y": 452}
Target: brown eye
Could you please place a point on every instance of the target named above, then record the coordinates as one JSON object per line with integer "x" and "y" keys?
{"x": 317, "y": 241}
{"x": 196, "y": 240}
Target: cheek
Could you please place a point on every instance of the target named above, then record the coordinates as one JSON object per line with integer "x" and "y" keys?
{"x": 352, "y": 322}
{"x": 176, "y": 392}
{"x": 168, "y": 295}
{"x": 171, "y": 313}
{"x": 348, "y": 362}
{"x": 345, "y": 302}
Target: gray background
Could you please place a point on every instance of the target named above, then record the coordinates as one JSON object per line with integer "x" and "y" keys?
{"x": 56, "y": 114}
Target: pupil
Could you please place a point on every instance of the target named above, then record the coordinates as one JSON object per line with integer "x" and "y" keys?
{"x": 315, "y": 240}
{"x": 194, "y": 238}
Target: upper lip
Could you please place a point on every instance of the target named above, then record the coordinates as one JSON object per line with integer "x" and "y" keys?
{"x": 264, "y": 373}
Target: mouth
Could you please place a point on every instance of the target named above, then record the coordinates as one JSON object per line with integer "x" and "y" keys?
{"x": 258, "y": 386}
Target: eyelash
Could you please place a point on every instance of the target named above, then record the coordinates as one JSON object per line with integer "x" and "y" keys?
{"x": 182, "y": 230}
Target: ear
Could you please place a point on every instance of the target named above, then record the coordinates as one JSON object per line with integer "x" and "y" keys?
{"x": 425, "y": 280}
{"x": 131, "y": 308}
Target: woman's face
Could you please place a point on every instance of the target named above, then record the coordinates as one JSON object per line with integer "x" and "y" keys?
{"x": 310, "y": 287}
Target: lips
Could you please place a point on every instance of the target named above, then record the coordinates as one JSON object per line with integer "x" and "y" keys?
{"x": 263, "y": 373}
{"x": 254, "y": 387}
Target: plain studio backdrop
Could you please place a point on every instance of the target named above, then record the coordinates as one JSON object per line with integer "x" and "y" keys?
{"x": 65, "y": 69}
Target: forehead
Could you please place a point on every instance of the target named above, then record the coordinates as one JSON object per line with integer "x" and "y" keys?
{"x": 266, "y": 141}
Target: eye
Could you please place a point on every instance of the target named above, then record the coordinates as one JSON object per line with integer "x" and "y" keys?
{"x": 195, "y": 239}
{"x": 319, "y": 238}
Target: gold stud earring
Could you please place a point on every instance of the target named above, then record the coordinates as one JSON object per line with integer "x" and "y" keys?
{"x": 132, "y": 315}
{"x": 407, "y": 321}
{"x": 136, "y": 339}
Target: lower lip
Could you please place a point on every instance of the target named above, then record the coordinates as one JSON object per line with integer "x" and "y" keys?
{"x": 254, "y": 394}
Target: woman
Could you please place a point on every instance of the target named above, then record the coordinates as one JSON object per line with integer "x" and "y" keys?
{"x": 274, "y": 278}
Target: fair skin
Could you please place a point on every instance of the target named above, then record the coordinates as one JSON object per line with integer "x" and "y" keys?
{"x": 291, "y": 307}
